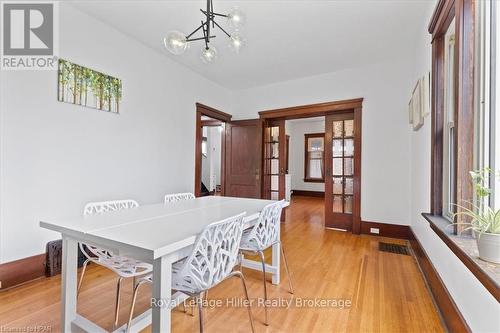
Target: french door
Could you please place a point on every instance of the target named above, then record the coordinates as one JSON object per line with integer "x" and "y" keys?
{"x": 342, "y": 171}
{"x": 274, "y": 160}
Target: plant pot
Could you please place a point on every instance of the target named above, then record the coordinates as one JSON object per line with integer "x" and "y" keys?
{"x": 488, "y": 246}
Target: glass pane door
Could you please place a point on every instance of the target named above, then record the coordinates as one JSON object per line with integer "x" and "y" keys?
{"x": 340, "y": 154}
{"x": 274, "y": 160}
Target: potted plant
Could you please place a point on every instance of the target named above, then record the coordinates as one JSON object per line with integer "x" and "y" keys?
{"x": 484, "y": 220}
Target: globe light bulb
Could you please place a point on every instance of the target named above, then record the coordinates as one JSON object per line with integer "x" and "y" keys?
{"x": 175, "y": 42}
{"x": 209, "y": 55}
{"x": 236, "y": 42}
{"x": 236, "y": 19}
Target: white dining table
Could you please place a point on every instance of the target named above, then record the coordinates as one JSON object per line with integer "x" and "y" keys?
{"x": 160, "y": 234}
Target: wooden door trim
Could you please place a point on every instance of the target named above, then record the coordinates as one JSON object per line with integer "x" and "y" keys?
{"x": 312, "y": 110}
{"x": 325, "y": 109}
{"x": 213, "y": 113}
{"x": 203, "y": 110}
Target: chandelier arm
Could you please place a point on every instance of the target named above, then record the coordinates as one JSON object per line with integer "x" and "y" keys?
{"x": 213, "y": 13}
{"x": 198, "y": 38}
{"x": 205, "y": 38}
{"x": 196, "y": 30}
{"x": 224, "y": 31}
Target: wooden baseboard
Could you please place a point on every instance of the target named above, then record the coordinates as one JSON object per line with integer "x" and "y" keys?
{"x": 451, "y": 316}
{"x": 20, "y": 271}
{"x": 386, "y": 230}
{"x": 318, "y": 194}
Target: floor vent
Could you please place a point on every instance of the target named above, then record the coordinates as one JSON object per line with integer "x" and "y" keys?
{"x": 393, "y": 248}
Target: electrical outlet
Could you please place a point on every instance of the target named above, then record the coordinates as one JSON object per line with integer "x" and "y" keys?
{"x": 374, "y": 231}
{"x": 0, "y": 284}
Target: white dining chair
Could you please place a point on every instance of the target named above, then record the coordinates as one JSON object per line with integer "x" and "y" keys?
{"x": 178, "y": 197}
{"x": 264, "y": 234}
{"x": 214, "y": 256}
{"x": 124, "y": 267}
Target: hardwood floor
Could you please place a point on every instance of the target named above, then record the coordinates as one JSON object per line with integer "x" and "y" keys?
{"x": 386, "y": 290}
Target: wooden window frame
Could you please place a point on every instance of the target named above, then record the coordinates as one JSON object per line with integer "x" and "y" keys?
{"x": 306, "y": 158}
{"x": 463, "y": 13}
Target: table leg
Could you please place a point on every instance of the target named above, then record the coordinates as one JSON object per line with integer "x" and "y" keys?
{"x": 162, "y": 294}
{"x": 68, "y": 283}
{"x": 276, "y": 262}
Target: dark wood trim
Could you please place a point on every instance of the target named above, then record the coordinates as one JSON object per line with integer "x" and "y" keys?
{"x": 356, "y": 203}
{"x": 20, "y": 271}
{"x": 305, "y": 193}
{"x": 442, "y": 17}
{"x": 437, "y": 126}
{"x": 386, "y": 230}
{"x": 306, "y": 160}
{"x": 287, "y": 153}
{"x": 451, "y": 316}
{"x": 312, "y": 110}
{"x": 203, "y": 110}
{"x": 213, "y": 113}
{"x": 464, "y": 110}
{"x": 482, "y": 276}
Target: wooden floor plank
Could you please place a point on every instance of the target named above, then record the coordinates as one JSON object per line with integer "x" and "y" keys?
{"x": 387, "y": 291}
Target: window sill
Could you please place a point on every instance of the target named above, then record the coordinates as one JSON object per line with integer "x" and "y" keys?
{"x": 465, "y": 248}
{"x": 307, "y": 180}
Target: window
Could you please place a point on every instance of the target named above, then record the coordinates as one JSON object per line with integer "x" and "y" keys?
{"x": 454, "y": 107}
{"x": 314, "y": 164}
{"x": 449, "y": 160}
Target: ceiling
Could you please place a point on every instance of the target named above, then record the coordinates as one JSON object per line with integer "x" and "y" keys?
{"x": 285, "y": 39}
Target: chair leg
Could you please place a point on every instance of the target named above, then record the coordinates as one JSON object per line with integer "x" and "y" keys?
{"x": 286, "y": 268}
{"x": 263, "y": 261}
{"x": 84, "y": 267}
{"x": 117, "y": 305}
{"x": 199, "y": 301}
{"x": 132, "y": 306}
{"x": 241, "y": 261}
{"x": 193, "y": 306}
{"x": 242, "y": 278}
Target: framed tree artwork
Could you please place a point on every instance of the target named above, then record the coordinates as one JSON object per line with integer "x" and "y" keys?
{"x": 86, "y": 87}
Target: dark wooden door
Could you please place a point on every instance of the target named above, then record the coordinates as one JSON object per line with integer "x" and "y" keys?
{"x": 341, "y": 172}
{"x": 243, "y": 158}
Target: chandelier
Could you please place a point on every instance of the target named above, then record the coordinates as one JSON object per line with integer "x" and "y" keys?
{"x": 177, "y": 42}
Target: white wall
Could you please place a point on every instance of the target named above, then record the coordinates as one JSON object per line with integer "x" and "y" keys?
{"x": 385, "y": 179}
{"x": 478, "y": 306}
{"x": 297, "y": 154}
{"x": 55, "y": 157}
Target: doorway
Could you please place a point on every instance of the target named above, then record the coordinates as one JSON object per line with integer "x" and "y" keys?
{"x": 342, "y": 158}
{"x": 210, "y": 155}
